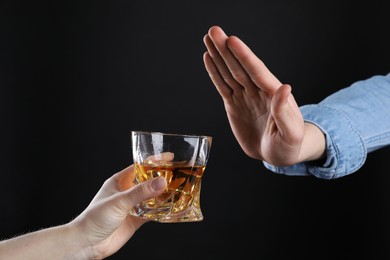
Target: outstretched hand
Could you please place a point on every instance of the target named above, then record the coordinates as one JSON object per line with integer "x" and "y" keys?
{"x": 262, "y": 112}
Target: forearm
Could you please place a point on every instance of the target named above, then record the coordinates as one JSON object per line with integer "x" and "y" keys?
{"x": 366, "y": 104}
{"x": 60, "y": 242}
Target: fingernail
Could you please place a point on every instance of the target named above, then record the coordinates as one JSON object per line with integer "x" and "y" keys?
{"x": 159, "y": 183}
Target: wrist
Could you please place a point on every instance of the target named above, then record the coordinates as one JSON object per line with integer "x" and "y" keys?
{"x": 313, "y": 145}
{"x": 78, "y": 247}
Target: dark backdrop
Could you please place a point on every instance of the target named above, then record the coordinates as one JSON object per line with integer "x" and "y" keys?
{"x": 77, "y": 76}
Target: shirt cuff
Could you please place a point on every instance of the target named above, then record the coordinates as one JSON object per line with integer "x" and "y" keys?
{"x": 345, "y": 148}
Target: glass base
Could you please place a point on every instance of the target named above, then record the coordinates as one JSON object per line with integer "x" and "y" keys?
{"x": 164, "y": 216}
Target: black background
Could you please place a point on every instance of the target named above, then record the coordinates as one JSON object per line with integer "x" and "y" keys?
{"x": 77, "y": 76}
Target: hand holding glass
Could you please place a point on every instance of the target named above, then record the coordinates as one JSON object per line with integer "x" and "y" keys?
{"x": 181, "y": 160}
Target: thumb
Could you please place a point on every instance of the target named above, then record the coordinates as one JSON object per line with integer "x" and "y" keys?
{"x": 143, "y": 191}
{"x": 287, "y": 115}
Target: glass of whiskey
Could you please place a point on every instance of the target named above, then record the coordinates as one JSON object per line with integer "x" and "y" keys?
{"x": 181, "y": 159}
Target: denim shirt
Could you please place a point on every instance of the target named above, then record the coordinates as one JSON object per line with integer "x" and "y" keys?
{"x": 355, "y": 121}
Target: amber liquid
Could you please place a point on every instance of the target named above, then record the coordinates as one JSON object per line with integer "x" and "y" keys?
{"x": 181, "y": 200}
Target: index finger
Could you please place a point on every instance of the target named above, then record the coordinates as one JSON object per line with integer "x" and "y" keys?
{"x": 256, "y": 69}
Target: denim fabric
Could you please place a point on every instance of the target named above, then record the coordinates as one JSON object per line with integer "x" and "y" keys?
{"x": 355, "y": 121}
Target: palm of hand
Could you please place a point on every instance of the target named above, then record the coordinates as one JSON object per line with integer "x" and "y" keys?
{"x": 267, "y": 127}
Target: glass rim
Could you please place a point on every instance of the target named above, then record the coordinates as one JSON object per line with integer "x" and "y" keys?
{"x": 171, "y": 134}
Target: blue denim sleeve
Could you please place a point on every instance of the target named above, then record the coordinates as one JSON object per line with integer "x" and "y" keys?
{"x": 355, "y": 121}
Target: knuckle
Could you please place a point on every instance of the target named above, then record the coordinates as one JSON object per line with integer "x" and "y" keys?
{"x": 239, "y": 77}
